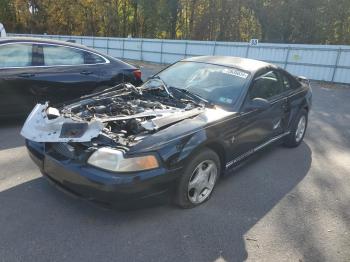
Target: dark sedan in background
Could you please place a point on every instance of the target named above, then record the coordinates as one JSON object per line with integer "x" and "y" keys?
{"x": 35, "y": 70}
{"x": 182, "y": 129}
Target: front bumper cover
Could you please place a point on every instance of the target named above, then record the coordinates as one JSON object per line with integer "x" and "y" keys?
{"x": 97, "y": 185}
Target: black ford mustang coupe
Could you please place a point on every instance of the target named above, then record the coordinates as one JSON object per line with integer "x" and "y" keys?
{"x": 178, "y": 132}
{"x": 36, "y": 70}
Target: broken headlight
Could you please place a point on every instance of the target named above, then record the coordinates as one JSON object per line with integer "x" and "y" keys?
{"x": 113, "y": 160}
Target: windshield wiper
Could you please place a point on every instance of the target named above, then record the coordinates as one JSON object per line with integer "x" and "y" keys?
{"x": 193, "y": 95}
{"x": 164, "y": 85}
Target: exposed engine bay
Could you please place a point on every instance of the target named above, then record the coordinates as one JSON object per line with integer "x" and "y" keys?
{"x": 124, "y": 114}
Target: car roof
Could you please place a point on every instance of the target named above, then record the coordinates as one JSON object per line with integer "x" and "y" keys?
{"x": 245, "y": 64}
{"x": 45, "y": 41}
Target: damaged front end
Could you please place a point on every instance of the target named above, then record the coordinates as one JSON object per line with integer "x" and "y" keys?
{"x": 121, "y": 117}
{"x": 46, "y": 124}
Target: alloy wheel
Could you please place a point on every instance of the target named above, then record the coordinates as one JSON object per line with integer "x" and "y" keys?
{"x": 202, "y": 181}
{"x": 299, "y": 133}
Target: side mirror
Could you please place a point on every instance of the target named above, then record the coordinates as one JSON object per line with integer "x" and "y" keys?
{"x": 259, "y": 104}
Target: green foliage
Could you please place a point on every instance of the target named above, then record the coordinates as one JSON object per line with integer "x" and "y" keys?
{"x": 287, "y": 21}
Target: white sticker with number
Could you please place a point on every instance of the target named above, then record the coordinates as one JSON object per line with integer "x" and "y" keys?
{"x": 236, "y": 73}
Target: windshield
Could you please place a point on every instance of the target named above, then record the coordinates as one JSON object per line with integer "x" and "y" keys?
{"x": 218, "y": 84}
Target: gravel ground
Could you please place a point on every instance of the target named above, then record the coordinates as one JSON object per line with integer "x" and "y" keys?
{"x": 285, "y": 205}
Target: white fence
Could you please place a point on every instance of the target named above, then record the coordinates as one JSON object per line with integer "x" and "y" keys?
{"x": 317, "y": 62}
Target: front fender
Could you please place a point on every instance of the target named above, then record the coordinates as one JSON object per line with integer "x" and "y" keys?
{"x": 195, "y": 142}
{"x": 177, "y": 154}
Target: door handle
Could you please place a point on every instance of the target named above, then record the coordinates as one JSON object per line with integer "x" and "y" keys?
{"x": 85, "y": 72}
{"x": 26, "y": 75}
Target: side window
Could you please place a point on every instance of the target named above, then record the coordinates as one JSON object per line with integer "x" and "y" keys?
{"x": 15, "y": 55}
{"x": 61, "y": 55}
{"x": 286, "y": 83}
{"x": 266, "y": 86}
{"x": 91, "y": 58}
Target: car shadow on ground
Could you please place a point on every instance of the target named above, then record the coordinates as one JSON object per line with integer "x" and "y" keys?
{"x": 10, "y": 133}
{"x": 38, "y": 221}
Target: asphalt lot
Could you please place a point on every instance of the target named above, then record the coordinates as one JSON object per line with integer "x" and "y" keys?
{"x": 286, "y": 205}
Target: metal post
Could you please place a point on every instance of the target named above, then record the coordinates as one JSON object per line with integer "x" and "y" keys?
{"x": 123, "y": 48}
{"x": 107, "y": 45}
{"x": 141, "y": 55}
{"x": 186, "y": 43}
{"x": 93, "y": 42}
{"x": 336, "y": 63}
{"x": 287, "y": 58}
{"x": 247, "y": 52}
{"x": 161, "y": 51}
{"x": 214, "y": 49}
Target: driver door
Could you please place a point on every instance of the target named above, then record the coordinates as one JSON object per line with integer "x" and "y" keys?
{"x": 258, "y": 126}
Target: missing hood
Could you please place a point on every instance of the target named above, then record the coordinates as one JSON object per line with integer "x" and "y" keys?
{"x": 126, "y": 115}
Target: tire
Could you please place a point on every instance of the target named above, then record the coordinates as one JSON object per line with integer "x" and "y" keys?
{"x": 298, "y": 130}
{"x": 199, "y": 179}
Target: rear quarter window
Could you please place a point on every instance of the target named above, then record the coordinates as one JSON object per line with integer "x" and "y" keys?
{"x": 91, "y": 58}
{"x": 289, "y": 81}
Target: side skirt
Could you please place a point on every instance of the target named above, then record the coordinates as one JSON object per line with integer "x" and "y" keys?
{"x": 252, "y": 151}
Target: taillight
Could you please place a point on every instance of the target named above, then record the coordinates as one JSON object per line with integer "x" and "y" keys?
{"x": 137, "y": 74}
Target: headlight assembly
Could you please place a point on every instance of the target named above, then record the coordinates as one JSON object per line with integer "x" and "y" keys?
{"x": 113, "y": 160}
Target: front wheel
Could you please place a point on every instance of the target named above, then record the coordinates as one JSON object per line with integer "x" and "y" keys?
{"x": 199, "y": 179}
{"x": 298, "y": 130}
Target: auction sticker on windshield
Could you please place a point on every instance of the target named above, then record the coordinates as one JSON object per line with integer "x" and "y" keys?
{"x": 236, "y": 72}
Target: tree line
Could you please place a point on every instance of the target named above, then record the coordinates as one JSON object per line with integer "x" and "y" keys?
{"x": 276, "y": 21}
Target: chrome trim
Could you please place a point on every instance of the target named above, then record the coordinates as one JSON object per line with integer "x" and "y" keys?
{"x": 296, "y": 92}
{"x": 107, "y": 61}
{"x": 248, "y": 153}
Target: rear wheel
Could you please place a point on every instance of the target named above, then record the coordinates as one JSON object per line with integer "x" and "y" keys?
{"x": 298, "y": 130}
{"x": 199, "y": 179}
